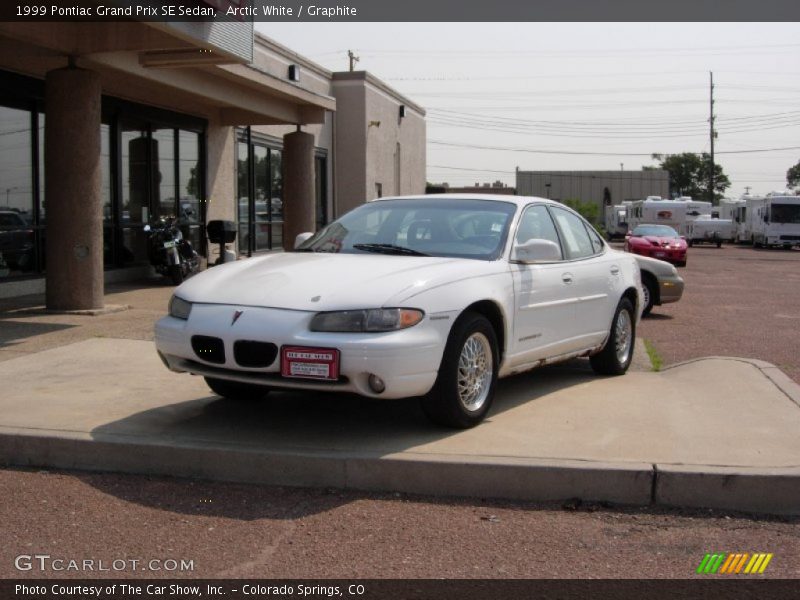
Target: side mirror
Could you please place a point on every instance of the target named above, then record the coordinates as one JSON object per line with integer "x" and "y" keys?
{"x": 535, "y": 251}
{"x": 301, "y": 237}
{"x": 147, "y": 228}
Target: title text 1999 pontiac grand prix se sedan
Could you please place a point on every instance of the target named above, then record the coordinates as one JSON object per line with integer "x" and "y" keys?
{"x": 432, "y": 296}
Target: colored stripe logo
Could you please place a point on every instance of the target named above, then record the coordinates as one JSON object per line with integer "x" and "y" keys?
{"x": 734, "y": 563}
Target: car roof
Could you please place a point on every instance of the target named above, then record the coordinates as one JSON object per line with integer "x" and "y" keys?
{"x": 508, "y": 198}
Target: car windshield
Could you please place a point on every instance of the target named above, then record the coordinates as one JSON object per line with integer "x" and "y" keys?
{"x": 419, "y": 227}
{"x": 656, "y": 230}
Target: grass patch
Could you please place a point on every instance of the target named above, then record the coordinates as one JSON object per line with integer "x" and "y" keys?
{"x": 655, "y": 358}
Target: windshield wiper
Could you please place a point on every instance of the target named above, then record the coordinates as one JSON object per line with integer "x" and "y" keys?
{"x": 389, "y": 249}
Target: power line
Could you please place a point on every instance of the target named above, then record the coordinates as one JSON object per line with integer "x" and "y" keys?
{"x": 586, "y": 153}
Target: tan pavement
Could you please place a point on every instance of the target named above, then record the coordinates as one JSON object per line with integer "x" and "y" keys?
{"x": 716, "y": 432}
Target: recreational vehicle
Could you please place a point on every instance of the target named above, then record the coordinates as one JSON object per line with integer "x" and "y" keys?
{"x": 615, "y": 221}
{"x": 675, "y": 213}
{"x": 773, "y": 220}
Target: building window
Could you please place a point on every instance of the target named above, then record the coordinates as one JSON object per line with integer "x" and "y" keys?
{"x": 18, "y": 233}
{"x": 260, "y": 193}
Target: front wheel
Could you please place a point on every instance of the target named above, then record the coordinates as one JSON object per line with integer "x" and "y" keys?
{"x": 464, "y": 388}
{"x": 234, "y": 390}
{"x": 649, "y": 289}
{"x": 617, "y": 354}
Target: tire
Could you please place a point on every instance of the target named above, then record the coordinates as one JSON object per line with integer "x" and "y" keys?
{"x": 650, "y": 292}
{"x": 690, "y": 243}
{"x": 617, "y": 354}
{"x": 233, "y": 390}
{"x": 176, "y": 274}
{"x": 719, "y": 244}
{"x": 471, "y": 339}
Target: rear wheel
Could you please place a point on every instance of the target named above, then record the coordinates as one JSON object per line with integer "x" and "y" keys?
{"x": 234, "y": 390}
{"x": 464, "y": 389}
{"x": 617, "y": 354}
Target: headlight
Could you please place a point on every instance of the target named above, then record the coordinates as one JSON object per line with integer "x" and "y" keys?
{"x": 179, "y": 308}
{"x": 367, "y": 320}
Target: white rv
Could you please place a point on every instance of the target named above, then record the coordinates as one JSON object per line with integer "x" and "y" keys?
{"x": 727, "y": 208}
{"x": 675, "y": 213}
{"x": 773, "y": 220}
{"x": 615, "y": 220}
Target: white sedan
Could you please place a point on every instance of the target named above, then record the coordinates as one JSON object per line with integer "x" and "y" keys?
{"x": 432, "y": 297}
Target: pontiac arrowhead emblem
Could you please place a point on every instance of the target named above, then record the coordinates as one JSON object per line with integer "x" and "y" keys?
{"x": 236, "y": 315}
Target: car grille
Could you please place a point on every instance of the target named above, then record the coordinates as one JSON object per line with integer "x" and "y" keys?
{"x": 254, "y": 354}
{"x": 210, "y": 349}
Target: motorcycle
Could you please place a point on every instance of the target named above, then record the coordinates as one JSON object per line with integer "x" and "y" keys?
{"x": 170, "y": 254}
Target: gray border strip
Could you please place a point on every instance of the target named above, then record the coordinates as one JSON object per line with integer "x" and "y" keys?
{"x": 473, "y": 11}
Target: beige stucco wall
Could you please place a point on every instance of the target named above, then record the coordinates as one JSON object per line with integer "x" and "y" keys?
{"x": 369, "y": 132}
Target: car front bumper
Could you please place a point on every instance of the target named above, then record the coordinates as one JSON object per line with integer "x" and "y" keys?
{"x": 407, "y": 361}
{"x": 670, "y": 289}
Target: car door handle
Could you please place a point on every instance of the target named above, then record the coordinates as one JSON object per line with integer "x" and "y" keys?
{"x": 614, "y": 270}
{"x": 566, "y": 277}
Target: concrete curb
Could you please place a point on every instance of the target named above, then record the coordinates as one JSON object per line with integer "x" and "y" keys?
{"x": 761, "y": 490}
{"x": 440, "y": 475}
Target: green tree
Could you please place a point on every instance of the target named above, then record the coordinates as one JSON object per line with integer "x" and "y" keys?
{"x": 689, "y": 175}
{"x": 793, "y": 175}
{"x": 588, "y": 210}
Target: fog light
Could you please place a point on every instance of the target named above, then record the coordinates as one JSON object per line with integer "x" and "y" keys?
{"x": 376, "y": 384}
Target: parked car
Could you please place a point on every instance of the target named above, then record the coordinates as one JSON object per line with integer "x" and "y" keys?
{"x": 432, "y": 297}
{"x": 657, "y": 241}
{"x": 16, "y": 241}
{"x": 660, "y": 282}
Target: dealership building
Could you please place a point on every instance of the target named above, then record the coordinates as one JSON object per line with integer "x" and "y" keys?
{"x": 106, "y": 126}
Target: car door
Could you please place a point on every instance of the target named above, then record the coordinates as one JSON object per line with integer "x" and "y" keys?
{"x": 544, "y": 323}
{"x": 594, "y": 273}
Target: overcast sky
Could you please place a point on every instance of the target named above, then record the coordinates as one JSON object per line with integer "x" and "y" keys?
{"x": 620, "y": 90}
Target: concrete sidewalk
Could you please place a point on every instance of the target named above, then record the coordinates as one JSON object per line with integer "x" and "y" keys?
{"x": 715, "y": 432}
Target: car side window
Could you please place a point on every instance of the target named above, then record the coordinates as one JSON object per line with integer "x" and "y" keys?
{"x": 576, "y": 239}
{"x": 536, "y": 224}
{"x": 594, "y": 237}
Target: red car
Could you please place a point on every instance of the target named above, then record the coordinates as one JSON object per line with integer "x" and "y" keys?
{"x": 657, "y": 241}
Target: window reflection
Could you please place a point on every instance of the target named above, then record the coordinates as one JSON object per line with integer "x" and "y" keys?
{"x": 17, "y": 238}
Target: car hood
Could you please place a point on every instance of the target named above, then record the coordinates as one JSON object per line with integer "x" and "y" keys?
{"x": 657, "y": 240}
{"x": 322, "y": 281}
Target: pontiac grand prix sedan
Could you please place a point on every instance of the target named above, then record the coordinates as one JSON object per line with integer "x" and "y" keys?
{"x": 432, "y": 297}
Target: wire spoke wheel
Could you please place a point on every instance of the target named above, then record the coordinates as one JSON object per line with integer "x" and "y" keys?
{"x": 475, "y": 372}
{"x": 623, "y": 336}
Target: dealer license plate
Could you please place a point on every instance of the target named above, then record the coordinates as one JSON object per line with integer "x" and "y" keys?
{"x": 660, "y": 254}
{"x": 310, "y": 363}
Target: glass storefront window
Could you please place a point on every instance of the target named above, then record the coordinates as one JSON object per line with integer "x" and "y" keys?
{"x": 190, "y": 191}
{"x": 17, "y": 237}
{"x": 146, "y": 170}
{"x": 243, "y": 194}
{"x": 260, "y": 192}
{"x": 163, "y": 175}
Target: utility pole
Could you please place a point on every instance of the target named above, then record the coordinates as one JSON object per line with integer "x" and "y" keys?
{"x": 353, "y": 60}
{"x": 747, "y": 190}
{"x": 712, "y": 134}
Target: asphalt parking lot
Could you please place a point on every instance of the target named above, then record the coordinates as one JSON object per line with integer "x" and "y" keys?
{"x": 238, "y": 530}
{"x": 739, "y": 301}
